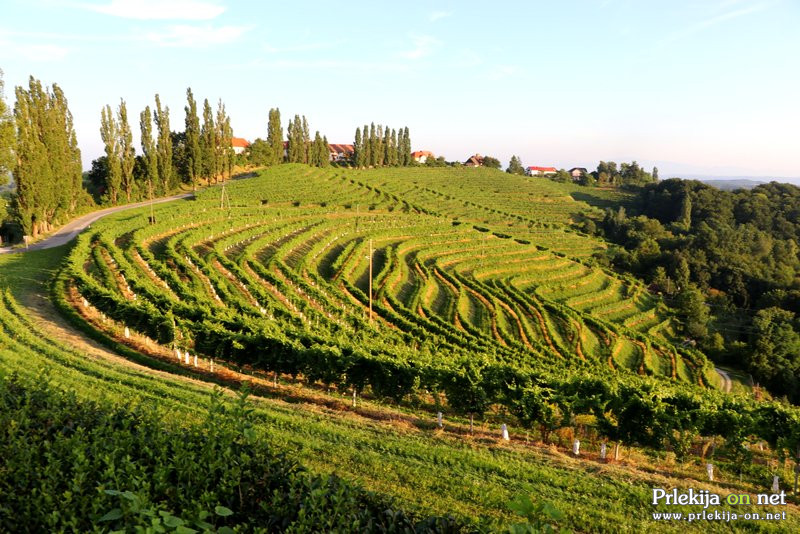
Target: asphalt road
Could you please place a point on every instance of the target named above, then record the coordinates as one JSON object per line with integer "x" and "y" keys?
{"x": 69, "y": 231}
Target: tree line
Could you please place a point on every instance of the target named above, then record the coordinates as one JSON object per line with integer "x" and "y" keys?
{"x": 299, "y": 147}
{"x": 38, "y": 146}
{"x": 200, "y": 153}
{"x": 39, "y": 149}
{"x": 381, "y": 146}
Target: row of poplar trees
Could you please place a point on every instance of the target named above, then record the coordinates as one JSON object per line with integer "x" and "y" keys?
{"x": 201, "y": 152}
{"x": 379, "y": 146}
{"x": 39, "y": 147}
{"x": 298, "y": 148}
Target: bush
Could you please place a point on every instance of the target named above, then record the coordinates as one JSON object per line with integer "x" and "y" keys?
{"x": 76, "y": 465}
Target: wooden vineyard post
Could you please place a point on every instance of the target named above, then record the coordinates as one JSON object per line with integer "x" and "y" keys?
{"x": 354, "y": 397}
{"x": 439, "y": 420}
{"x": 370, "y": 280}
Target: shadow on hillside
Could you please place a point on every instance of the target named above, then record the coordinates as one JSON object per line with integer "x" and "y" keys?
{"x": 597, "y": 201}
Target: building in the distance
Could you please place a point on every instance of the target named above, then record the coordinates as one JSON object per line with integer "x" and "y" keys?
{"x": 540, "y": 171}
{"x": 577, "y": 173}
{"x": 341, "y": 153}
{"x": 239, "y": 145}
{"x": 474, "y": 161}
{"x": 421, "y": 156}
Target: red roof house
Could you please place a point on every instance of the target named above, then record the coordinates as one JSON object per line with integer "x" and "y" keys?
{"x": 540, "y": 171}
{"x": 421, "y": 156}
{"x": 239, "y": 145}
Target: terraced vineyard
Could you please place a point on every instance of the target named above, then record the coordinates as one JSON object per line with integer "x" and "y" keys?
{"x": 475, "y": 313}
{"x": 289, "y": 261}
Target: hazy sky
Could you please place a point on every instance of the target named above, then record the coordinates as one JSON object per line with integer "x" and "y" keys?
{"x": 706, "y": 87}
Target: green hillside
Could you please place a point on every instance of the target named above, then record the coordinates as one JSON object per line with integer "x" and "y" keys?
{"x": 486, "y": 304}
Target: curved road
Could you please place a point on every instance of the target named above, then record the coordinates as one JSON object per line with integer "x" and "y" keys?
{"x": 67, "y": 233}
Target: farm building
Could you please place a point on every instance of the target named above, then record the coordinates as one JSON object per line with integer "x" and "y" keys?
{"x": 239, "y": 144}
{"x": 341, "y": 152}
{"x": 421, "y": 156}
{"x": 540, "y": 171}
{"x": 474, "y": 161}
{"x": 577, "y": 172}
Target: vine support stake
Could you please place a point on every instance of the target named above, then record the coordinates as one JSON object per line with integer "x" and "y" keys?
{"x": 354, "y": 397}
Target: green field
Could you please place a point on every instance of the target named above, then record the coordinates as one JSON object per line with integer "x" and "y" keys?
{"x": 467, "y": 266}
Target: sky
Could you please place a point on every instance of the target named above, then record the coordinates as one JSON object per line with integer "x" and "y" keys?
{"x": 705, "y": 87}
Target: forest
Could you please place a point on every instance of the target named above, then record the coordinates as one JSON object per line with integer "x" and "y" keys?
{"x": 728, "y": 262}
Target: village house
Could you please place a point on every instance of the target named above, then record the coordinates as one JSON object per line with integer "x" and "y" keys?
{"x": 577, "y": 173}
{"x": 474, "y": 161}
{"x": 341, "y": 153}
{"x": 540, "y": 171}
{"x": 421, "y": 156}
{"x": 239, "y": 145}
{"x": 338, "y": 153}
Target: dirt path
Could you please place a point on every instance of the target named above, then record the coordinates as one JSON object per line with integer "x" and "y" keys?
{"x": 69, "y": 231}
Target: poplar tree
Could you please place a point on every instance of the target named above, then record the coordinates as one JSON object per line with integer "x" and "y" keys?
{"x": 225, "y": 152}
{"x": 325, "y": 152}
{"x": 373, "y": 145}
{"x": 64, "y": 156}
{"x": 220, "y": 139}
{"x": 32, "y": 172}
{"x": 367, "y": 147}
{"x": 379, "y": 152}
{"x": 149, "y": 150}
{"x": 290, "y": 142}
{"x": 405, "y": 150}
{"x": 358, "y": 149}
{"x": 400, "y": 144}
{"x": 109, "y": 132}
{"x": 208, "y": 146}
{"x": 192, "y": 124}
{"x": 297, "y": 149}
{"x": 387, "y": 147}
{"x": 306, "y": 140}
{"x": 7, "y": 137}
{"x": 395, "y": 152}
{"x": 127, "y": 151}
{"x": 315, "y": 159}
{"x": 164, "y": 146}
{"x": 275, "y": 137}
